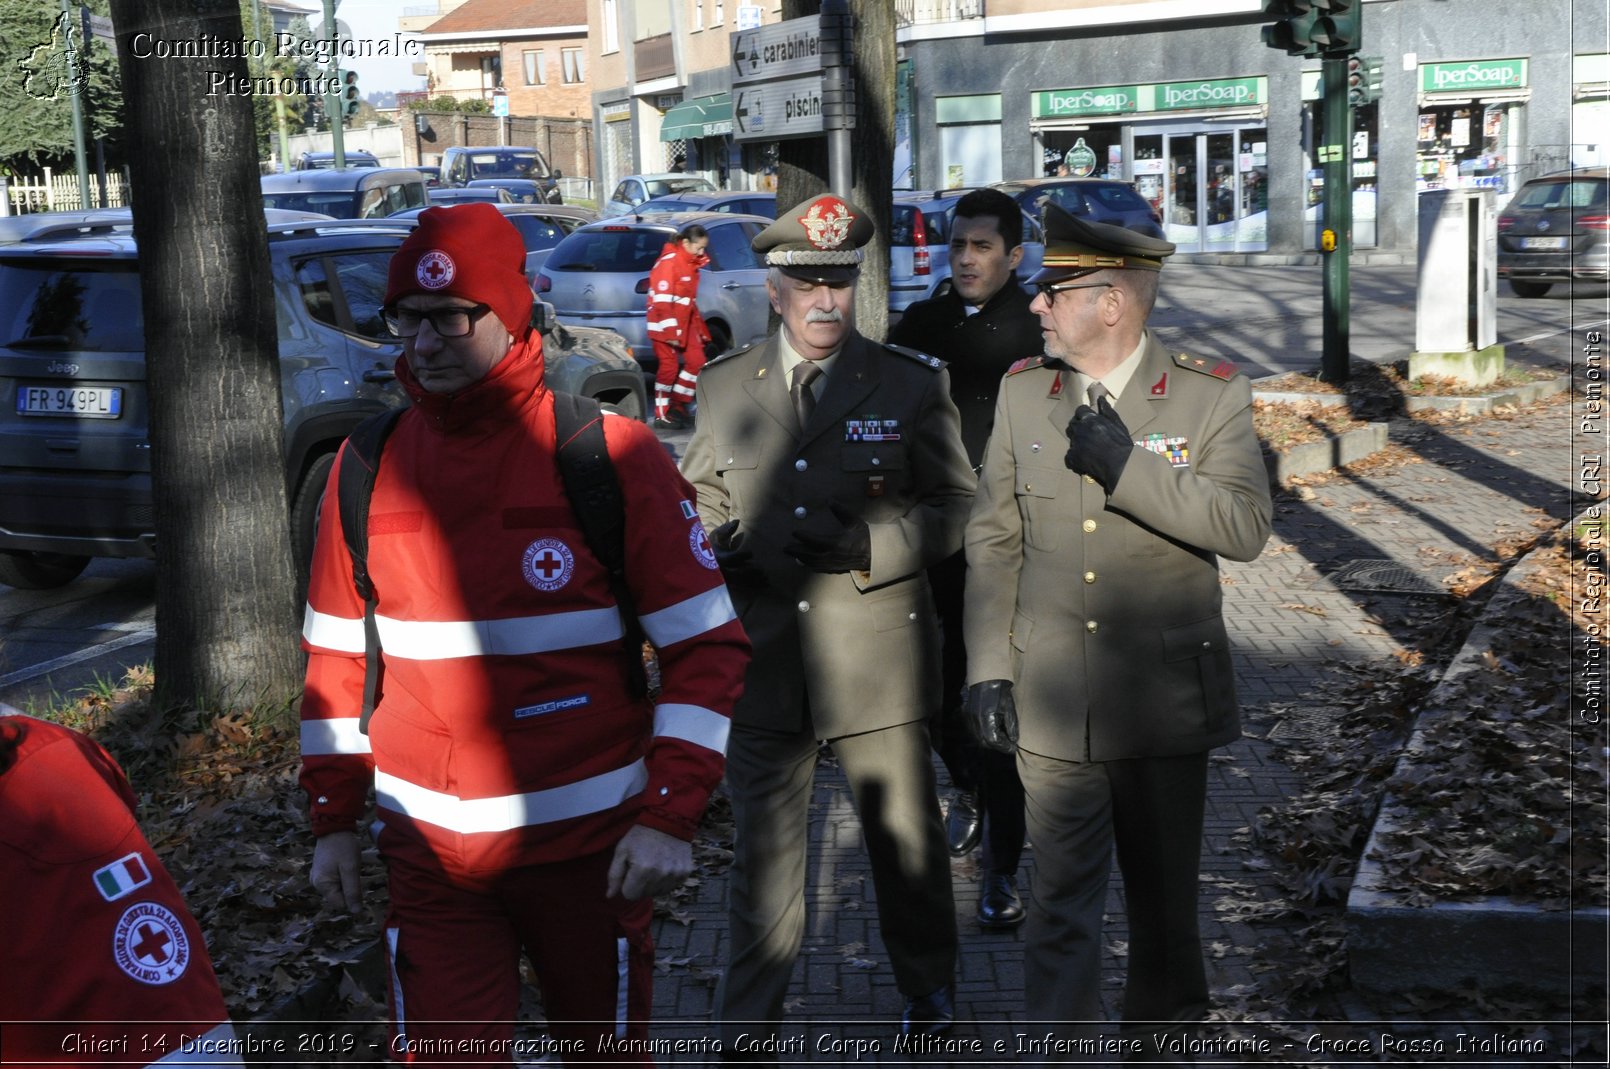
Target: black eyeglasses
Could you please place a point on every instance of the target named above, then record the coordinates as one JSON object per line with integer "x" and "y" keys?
{"x": 1049, "y": 290}
{"x": 446, "y": 322}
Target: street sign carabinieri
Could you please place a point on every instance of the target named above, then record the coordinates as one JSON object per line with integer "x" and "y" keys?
{"x": 782, "y": 50}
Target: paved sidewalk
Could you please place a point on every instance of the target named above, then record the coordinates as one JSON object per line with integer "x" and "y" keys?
{"x": 1457, "y": 492}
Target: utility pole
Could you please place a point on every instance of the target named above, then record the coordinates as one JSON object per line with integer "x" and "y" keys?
{"x": 77, "y": 81}
{"x": 1333, "y": 31}
{"x": 332, "y": 91}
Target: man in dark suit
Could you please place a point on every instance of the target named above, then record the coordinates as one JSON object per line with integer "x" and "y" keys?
{"x": 830, "y": 473}
{"x": 981, "y": 326}
{"x": 1117, "y": 474}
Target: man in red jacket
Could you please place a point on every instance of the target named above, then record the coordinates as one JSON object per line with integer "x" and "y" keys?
{"x": 675, "y": 326}
{"x": 102, "y": 954}
{"x": 529, "y": 794}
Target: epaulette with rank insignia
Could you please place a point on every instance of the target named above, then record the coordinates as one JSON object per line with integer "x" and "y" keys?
{"x": 932, "y": 362}
{"x": 1219, "y": 369}
{"x": 712, "y": 361}
{"x": 1025, "y": 364}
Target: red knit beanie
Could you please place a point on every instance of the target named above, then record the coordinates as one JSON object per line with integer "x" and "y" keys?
{"x": 469, "y": 251}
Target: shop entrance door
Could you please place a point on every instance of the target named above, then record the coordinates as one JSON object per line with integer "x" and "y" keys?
{"x": 1213, "y": 186}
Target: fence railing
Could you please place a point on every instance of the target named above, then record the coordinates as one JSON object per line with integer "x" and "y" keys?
{"x": 59, "y": 192}
{"x": 924, "y": 12}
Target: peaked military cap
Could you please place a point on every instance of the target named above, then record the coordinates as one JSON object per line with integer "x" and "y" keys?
{"x": 1076, "y": 246}
{"x": 819, "y": 240}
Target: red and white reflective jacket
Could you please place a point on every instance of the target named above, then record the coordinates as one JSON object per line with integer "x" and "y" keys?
{"x": 673, "y": 291}
{"x": 102, "y": 962}
{"x": 508, "y": 732}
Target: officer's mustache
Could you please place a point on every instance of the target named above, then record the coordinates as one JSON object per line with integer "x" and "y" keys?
{"x": 816, "y": 315}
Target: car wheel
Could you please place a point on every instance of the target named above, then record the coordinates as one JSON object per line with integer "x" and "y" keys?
{"x": 305, "y": 517}
{"x": 1523, "y": 288}
{"x": 720, "y": 340}
{"x": 39, "y": 571}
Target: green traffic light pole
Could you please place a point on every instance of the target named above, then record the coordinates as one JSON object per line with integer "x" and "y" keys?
{"x": 332, "y": 96}
{"x": 77, "y": 83}
{"x": 1336, "y": 242}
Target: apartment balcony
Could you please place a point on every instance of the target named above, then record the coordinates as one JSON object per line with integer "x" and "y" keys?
{"x": 930, "y": 12}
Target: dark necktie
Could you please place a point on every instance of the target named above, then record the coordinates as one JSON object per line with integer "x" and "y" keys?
{"x": 799, "y": 391}
{"x": 1097, "y": 391}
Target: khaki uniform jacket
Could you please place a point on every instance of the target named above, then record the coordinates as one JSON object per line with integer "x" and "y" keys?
{"x": 883, "y": 445}
{"x": 1105, "y": 613}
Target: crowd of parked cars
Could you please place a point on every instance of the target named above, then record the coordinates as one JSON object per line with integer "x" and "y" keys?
{"x": 73, "y": 355}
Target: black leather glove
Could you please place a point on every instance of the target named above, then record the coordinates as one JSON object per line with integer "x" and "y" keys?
{"x": 847, "y": 550}
{"x": 737, "y": 564}
{"x": 1098, "y": 444}
{"x": 992, "y": 714}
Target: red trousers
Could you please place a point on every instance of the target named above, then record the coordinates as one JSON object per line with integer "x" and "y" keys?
{"x": 673, "y": 388}
{"x": 454, "y": 946}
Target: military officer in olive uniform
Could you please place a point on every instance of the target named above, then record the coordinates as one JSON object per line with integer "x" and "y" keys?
{"x": 1118, "y": 473}
{"x": 830, "y": 474}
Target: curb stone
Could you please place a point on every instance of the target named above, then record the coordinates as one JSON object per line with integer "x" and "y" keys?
{"x": 1496, "y": 942}
{"x": 1332, "y": 452}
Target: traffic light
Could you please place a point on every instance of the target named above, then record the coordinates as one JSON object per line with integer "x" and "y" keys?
{"x": 1294, "y": 32}
{"x": 349, "y": 95}
{"x": 1363, "y": 80}
{"x": 1339, "y": 30}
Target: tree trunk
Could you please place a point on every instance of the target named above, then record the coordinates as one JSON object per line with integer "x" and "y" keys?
{"x": 226, "y": 622}
{"x": 802, "y": 162}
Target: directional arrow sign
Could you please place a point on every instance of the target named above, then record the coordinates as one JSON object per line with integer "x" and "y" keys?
{"x": 782, "y": 50}
{"x": 779, "y": 110}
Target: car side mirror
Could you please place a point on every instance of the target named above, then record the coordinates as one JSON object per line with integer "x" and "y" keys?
{"x": 543, "y": 317}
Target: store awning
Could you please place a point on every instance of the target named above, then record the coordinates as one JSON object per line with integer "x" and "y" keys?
{"x": 700, "y": 117}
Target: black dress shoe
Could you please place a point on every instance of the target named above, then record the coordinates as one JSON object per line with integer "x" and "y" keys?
{"x": 998, "y": 903}
{"x": 962, "y": 825}
{"x": 931, "y": 1014}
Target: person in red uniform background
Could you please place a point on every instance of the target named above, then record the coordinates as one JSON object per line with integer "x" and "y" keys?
{"x": 101, "y": 945}
{"x": 675, "y": 326}
{"x": 529, "y": 794}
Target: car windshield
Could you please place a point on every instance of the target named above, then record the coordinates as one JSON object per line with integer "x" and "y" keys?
{"x": 664, "y": 187}
{"x": 48, "y": 304}
{"x": 609, "y": 249}
{"x": 337, "y": 203}
{"x": 936, "y": 227}
{"x": 537, "y": 232}
{"x": 510, "y": 164}
{"x": 1568, "y": 193}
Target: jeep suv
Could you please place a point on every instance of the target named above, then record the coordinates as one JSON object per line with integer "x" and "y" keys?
{"x": 462, "y": 164}
{"x": 75, "y": 462}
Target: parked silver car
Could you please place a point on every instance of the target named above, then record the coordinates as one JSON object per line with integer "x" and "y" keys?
{"x": 635, "y": 189}
{"x": 598, "y": 277}
{"x": 1556, "y": 229}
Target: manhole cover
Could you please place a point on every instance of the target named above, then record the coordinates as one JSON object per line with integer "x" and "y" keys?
{"x": 1311, "y": 727}
{"x": 1386, "y": 575}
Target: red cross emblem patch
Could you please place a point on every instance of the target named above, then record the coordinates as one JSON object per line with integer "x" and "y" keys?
{"x": 548, "y": 564}
{"x": 150, "y": 944}
{"x": 435, "y": 270}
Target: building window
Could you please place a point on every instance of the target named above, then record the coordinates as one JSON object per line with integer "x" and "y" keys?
{"x": 612, "y": 22}
{"x": 574, "y": 65}
{"x": 536, "y": 67}
{"x": 698, "y": 15}
{"x": 717, "y": 12}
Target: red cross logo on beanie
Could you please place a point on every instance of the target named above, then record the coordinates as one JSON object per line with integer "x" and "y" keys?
{"x": 436, "y": 270}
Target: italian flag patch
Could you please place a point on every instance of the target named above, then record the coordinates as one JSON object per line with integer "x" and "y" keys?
{"x": 121, "y": 877}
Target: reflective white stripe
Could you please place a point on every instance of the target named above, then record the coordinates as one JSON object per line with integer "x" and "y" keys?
{"x": 671, "y": 298}
{"x": 685, "y": 375}
{"x": 662, "y": 324}
{"x": 218, "y": 1046}
{"x": 338, "y": 735}
{"x": 336, "y": 633}
{"x": 422, "y": 640}
{"x": 692, "y": 723}
{"x": 623, "y": 969}
{"x": 398, "y": 1011}
{"x": 436, "y": 640}
{"x": 686, "y": 391}
{"x": 698, "y": 614}
{"x": 509, "y": 811}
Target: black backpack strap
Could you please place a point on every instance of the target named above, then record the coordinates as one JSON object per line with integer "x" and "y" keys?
{"x": 354, "y": 486}
{"x": 595, "y": 496}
